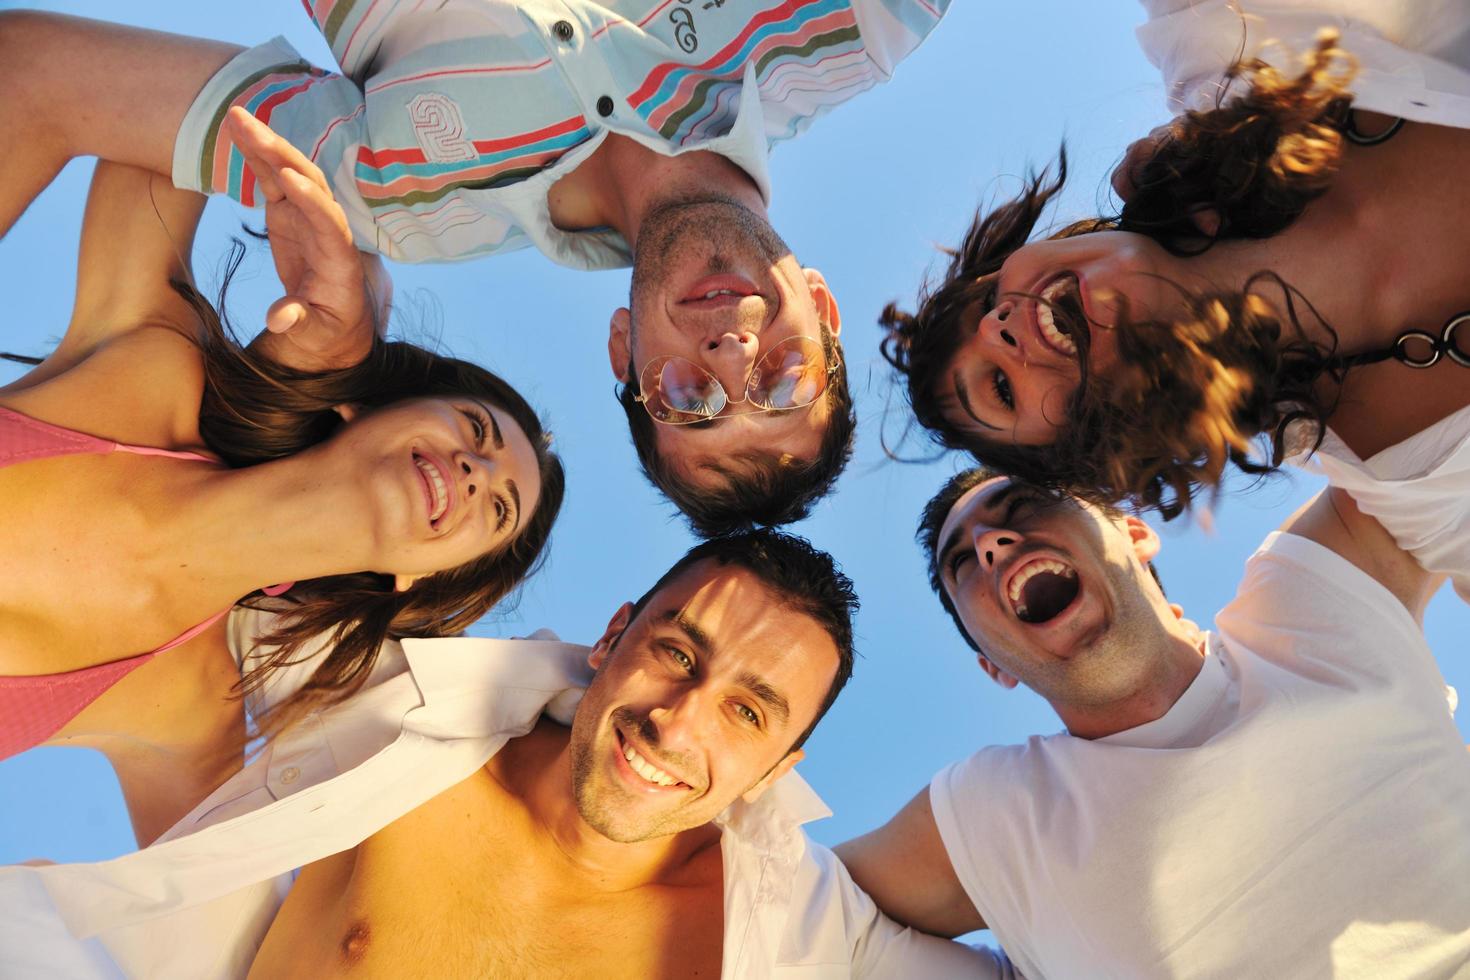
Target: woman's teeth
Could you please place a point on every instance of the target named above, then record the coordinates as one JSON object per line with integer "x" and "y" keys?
{"x": 1046, "y": 317}
{"x": 646, "y": 769}
{"x": 437, "y": 487}
{"x": 1026, "y": 574}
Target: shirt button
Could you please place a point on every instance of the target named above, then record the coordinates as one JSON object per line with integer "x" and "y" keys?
{"x": 289, "y": 775}
{"x": 605, "y": 106}
{"x": 562, "y": 30}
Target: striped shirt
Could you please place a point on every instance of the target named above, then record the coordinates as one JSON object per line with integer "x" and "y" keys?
{"x": 450, "y": 122}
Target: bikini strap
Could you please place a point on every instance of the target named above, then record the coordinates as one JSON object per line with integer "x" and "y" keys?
{"x": 123, "y": 447}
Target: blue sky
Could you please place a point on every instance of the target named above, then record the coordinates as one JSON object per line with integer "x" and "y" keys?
{"x": 865, "y": 195}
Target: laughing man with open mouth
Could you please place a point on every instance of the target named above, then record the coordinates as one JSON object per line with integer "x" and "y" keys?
{"x": 1287, "y": 796}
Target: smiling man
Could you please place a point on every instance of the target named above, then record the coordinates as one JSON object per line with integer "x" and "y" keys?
{"x": 1287, "y": 796}
{"x": 605, "y": 134}
{"x": 486, "y": 808}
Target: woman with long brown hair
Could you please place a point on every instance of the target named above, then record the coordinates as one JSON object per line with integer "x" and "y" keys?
{"x": 155, "y": 472}
{"x": 1285, "y": 256}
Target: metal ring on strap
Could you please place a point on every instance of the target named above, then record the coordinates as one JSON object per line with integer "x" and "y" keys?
{"x": 1447, "y": 341}
{"x": 1401, "y": 349}
{"x": 1439, "y": 346}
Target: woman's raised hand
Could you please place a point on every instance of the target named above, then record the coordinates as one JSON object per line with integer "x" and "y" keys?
{"x": 337, "y": 298}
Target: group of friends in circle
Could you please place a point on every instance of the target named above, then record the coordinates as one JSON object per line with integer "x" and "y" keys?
{"x": 284, "y": 539}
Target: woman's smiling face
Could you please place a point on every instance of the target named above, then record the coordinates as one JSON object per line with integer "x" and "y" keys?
{"x": 447, "y": 479}
{"x": 1015, "y": 374}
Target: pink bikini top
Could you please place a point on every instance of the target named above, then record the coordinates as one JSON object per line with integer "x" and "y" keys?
{"x": 34, "y": 708}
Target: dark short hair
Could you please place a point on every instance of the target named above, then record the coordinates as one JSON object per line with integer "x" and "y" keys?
{"x": 931, "y": 522}
{"x": 758, "y": 489}
{"x": 807, "y": 580}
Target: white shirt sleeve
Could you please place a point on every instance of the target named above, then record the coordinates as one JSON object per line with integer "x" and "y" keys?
{"x": 892, "y": 29}
{"x": 1411, "y": 57}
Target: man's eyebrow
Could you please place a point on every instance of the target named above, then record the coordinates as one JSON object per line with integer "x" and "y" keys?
{"x": 950, "y": 544}
{"x": 766, "y": 694}
{"x": 697, "y": 636}
{"x": 515, "y": 495}
{"x": 962, "y": 395}
{"x": 752, "y": 682}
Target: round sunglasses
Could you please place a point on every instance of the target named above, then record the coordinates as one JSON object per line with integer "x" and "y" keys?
{"x": 791, "y": 375}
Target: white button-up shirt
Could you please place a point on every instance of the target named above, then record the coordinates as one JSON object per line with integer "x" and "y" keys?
{"x": 199, "y": 901}
{"x": 1412, "y": 57}
{"x": 451, "y": 121}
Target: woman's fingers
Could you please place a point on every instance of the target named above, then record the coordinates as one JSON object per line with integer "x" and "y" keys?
{"x": 285, "y": 313}
{"x": 318, "y": 207}
{"x": 263, "y": 149}
{"x": 246, "y": 138}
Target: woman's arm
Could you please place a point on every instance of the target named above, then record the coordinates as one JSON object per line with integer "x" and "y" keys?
{"x": 71, "y": 87}
{"x": 137, "y": 233}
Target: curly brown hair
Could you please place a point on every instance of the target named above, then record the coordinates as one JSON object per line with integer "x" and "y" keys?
{"x": 255, "y": 410}
{"x": 1196, "y": 391}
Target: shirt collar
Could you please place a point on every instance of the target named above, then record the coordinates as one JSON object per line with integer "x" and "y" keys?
{"x": 786, "y": 805}
{"x": 1194, "y": 707}
{"x": 745, "y": 145}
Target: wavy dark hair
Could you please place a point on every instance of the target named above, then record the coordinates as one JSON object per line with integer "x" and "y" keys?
{"x": 255, "y": 410}
{"x": 1196, "y": 390}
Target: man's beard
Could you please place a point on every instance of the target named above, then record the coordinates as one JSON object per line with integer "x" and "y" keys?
{"x": 723, "y": 227}
{"x": 601, "y": 811}
{"x": 1117, "y": 662}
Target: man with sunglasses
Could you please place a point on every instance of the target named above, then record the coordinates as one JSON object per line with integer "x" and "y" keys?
{"x": 605, "y": 134}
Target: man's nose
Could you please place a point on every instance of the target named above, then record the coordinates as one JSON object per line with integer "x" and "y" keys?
{"x": 678, "y": 718}
{"x": 993, "y": 544}
{"x": 730, "y": 357}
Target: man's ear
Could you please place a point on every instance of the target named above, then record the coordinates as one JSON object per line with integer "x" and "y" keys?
{"x": 781, "y": 768}
{"x": 1144, "y": 538}
{"x": 827, "y": 310}
{"x": 348, "y": 411}
{"x": 620, "y": 343}
{"x": 996, "y": 674}
{"x": 615, "y": 627}
{"x": 402, "y": 583}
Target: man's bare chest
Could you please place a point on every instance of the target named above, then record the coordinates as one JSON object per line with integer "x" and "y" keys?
{"x": 462, "y": 890}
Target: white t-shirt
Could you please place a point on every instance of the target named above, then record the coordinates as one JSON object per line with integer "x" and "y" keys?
{"x": 1303, "y": 810}
{"x": 1413, "y": 55}
{"x": 1419, "y": 490}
